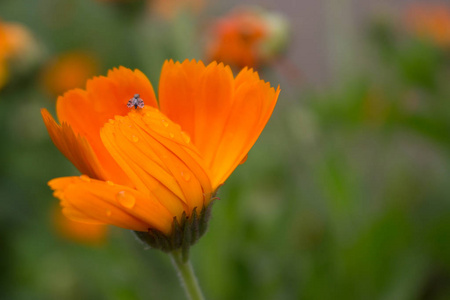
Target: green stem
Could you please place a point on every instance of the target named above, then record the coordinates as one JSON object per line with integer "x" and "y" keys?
{"x": 187, "y": 276}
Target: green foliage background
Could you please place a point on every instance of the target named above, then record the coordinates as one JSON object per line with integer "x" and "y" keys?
{"x": 344, "y": 196}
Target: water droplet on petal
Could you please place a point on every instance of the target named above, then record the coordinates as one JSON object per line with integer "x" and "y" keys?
{"x": 171, "y": 135}
{"x": 85, "y": 178}
{"x": 186, "y": 176}
{"x": 134, "y": 138}
{"x": 165, "y": 123}
{"x": 244, "y": 159}
{"x": 110, "y": 183}
{"x": 108, "y": 213}
{"x": 185, "y": 137}
{"x": 126, "y": 199}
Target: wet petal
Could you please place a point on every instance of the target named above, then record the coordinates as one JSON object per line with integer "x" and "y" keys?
{"x": 178, "y": 86}
{"x": 86, "y": 111}
{"x": 158, "y": 159}
{"x": 223, "y": 116}
{"x": 73, "y": 146}
{"x": 252, "y": 108}
{"x": 93, "y": 201}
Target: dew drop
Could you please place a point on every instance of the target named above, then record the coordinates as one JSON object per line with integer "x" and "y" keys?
{"x": 165, "y": 123}
{"x": 244, "y": 159}
{"x": 85, "y": 178}
{"x": 110, "y": 183}
{"x": 171, "y": 135}
{"x": 134, "y": 138}
{"x": 108, "y": 213}
{"x": 185, "y": 137}
{"x": 186, "y": 176}
{"x": 126, "y": 199}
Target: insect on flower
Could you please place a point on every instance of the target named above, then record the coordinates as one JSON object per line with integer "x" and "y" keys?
{"x": 135, "y": 101}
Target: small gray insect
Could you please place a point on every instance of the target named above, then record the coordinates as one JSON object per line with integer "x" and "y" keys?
{"x": 135, "y": 101}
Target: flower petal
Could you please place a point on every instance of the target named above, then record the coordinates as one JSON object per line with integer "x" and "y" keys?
{"x": 73, "y": 146}
{"x": 223, "y": 116}
{"x": 252, "y": 108}
{"x": 93, "y": 201}
{"x": 159, "y": 159}
{"x": 180, "y": 82}
{"x": 86, "y": 111}
{"x": 199, "y": 99}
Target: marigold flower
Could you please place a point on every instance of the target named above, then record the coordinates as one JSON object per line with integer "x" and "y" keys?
{"x": 155, "y": 169}
{"x": 68, "y": 71}
{"x": 17, "y": 47}
{"x": 248, "y": 36}
{"x": 14, "y": 39}
{"x": 168, "y": 9}
{"x": 125, "y": 1}
{"x": 431, "y": 21}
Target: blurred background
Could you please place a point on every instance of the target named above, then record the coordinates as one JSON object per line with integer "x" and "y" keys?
{"x": 346, "y": 194}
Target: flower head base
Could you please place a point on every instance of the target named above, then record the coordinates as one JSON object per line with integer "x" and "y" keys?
{"x": 248, "y": 36}
{"x": 185, "y": 232}
{"x": 155, "y": 169}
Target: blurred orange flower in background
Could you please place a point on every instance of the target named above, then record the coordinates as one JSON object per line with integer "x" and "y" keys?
{"x": 92, "y": 234}
{"x": 248, "y": 36}
{"x": 168, "y": 9}
{"x": 17, "y": 47}
{"x": 125, "y": 1}
{"x": 68, "y": 71}
{"x": 431, "y": 21}
{"x": 143, "y": 167}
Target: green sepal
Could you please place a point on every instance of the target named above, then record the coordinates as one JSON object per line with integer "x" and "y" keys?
{"x": 185, "y": 232}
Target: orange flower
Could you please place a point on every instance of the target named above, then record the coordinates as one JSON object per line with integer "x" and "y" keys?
{"x": 92, "y": 234}
{"x": 431, "y": 21}
{"x": 14, "y": 39}
{"x": 168, "y": 9}
{"x": 125, "y": 1}
{"x": 143, "y": 167}
{"x": 68, "y": 71}
{"x": 247, "y": 37}
{"x": 17, "y": 46}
